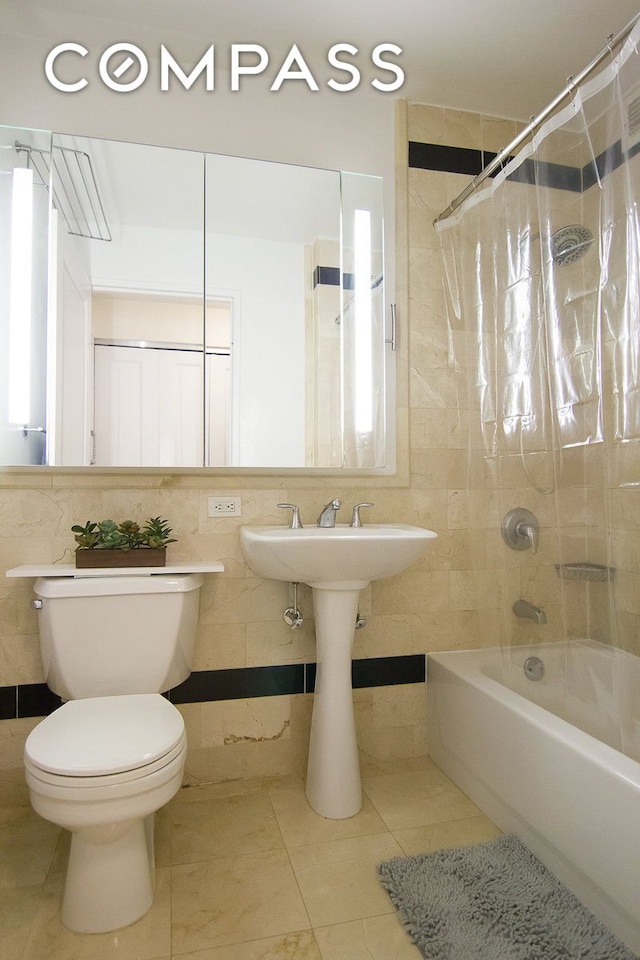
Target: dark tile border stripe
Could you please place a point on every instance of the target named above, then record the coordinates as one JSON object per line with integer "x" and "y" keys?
{"x": 441, "y": 158}
{"x": 378, "y": 671}
{"x": 240, "y": 684}
{"x": 388, "y": 671}
{"x": 331, "y": 276}
{"x": 438, "y": 156}
{"x": 8, "y": 703}
{"x": 36, "y": 700}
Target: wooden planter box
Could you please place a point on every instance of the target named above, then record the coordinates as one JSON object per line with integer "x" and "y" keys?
{"x": 139, "y": 557}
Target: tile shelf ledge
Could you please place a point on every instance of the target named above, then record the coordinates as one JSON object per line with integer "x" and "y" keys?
{"x": 70, "y": 570}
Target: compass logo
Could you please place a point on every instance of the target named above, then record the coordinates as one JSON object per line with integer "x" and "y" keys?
{"x": 124, "y": 67}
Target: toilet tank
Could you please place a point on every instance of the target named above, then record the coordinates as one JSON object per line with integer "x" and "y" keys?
{"x": 103, "y": 636}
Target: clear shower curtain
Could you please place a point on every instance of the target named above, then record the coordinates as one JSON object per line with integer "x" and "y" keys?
{"x": 543, "y": 271}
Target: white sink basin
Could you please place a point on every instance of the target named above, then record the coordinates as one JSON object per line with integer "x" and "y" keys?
{"x": 337, "y": 562}
{"x": 338, "y": 556}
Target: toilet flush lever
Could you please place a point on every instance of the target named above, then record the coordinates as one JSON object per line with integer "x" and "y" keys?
{"x": 36, "y": 604}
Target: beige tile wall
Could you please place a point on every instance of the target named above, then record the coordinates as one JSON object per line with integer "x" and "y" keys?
{"x": 589, "y": 514}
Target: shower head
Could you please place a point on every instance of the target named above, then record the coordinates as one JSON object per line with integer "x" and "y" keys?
{"x": 570, "y": 243}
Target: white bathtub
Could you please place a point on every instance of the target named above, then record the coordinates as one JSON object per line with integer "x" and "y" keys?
{"x": 571, "y": 798}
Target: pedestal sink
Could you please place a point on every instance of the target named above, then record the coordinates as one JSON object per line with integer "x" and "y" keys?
{"x": 337, "y": 563}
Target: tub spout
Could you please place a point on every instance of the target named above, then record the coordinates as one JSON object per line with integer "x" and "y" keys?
{"x": 527, "y": 611}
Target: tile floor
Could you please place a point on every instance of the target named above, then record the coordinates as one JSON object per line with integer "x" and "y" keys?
{"x": 246, "y": 871}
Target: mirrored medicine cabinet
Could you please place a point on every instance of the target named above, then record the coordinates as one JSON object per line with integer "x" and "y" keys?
{"x": 168, "y": 308}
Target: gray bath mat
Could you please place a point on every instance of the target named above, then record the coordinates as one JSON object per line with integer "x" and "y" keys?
{"x": 493, "y": 901}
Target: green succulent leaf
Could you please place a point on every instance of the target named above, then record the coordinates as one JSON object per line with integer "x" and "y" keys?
{"x": 128, "y": 535}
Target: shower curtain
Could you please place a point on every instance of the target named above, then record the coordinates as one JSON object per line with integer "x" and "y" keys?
{"x": 542, "y": 269}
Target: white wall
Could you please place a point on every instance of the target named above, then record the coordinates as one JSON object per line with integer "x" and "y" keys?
{"x": 348, "y": 131}
{"x": 268, "y": 337}
{"x": 150, "y": 258}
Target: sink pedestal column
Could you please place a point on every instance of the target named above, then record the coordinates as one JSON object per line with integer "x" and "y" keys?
{"x": 333, "y": 773}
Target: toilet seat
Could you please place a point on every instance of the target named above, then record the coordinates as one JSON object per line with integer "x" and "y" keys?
{"x": 105, "y": 740}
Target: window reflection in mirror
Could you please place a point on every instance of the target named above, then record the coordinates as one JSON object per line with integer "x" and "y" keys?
{"x": 203, "y": 310}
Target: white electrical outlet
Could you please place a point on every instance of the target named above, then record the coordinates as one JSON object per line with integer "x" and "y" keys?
{"x": 225, "y": 506}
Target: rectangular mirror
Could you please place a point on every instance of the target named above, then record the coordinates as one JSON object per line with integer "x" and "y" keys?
{"x": 194, "y": 310}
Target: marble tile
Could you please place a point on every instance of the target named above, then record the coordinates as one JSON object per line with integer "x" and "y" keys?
{"x": 15, "y": 805}
{"x": 26, "y": 852}
{"x": 214, "y": 764}
{"x": 219, "y": 902}
{"x": 259, "y": 719}
{"x": 61, "y": 856}
{"x": 462, "y": 129}
{"x": 300, "y": 824}
{"x": 19, "y": 907}
{"x": 213, "y": 791}
{"x": 13, "y": 734}
{"x": 425, "y": 123}
{"x": 373, "y": 938}
{"x": 417, "y": 799}
{"x": 221, "y": 648}
{"x": 273, "y": 758}
{"x": 289, "y": 946}
{"x": 440, "y": 836}
{"x": 269, "y": 643}
{"x": 338, "y": 879}
{"x": 147, "y": 939}
{"x": 226, "y": 827}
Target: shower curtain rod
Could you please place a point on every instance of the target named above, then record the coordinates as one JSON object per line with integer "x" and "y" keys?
{"x": 505, "y": 153}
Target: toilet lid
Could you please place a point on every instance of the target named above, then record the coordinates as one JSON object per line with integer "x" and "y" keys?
{"x": 102, "y": 735}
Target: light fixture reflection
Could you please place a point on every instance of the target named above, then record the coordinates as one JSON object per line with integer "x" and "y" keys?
{"x": 20, "y": 297}
{"x": 363, "y": 413}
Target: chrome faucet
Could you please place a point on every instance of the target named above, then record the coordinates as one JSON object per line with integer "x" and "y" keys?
{"x": 527, "y": 611}
{"x": 327, "y": 516}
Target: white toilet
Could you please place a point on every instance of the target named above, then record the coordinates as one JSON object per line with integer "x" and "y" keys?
{"x": 104, "y": 762}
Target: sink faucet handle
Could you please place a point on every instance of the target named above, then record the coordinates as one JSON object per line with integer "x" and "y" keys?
{"x": 296, "y": 523}
{"x": 355, "y": 516}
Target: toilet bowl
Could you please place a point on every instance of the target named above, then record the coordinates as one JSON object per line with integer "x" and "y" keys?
{"x": 104, "y": 762}
{"x": 100, "y": 767}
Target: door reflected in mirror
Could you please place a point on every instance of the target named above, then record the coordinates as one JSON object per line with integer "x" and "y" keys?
{"x": 195, "y": 309}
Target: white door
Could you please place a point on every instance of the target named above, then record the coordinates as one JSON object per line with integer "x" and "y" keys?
{"x": 219, "y": 409}
{"x": 149, "y": 408}
{"x": 126, "y": 407}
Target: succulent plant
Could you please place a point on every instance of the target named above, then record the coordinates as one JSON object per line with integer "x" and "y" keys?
{"x": 157, "y": 532}
{"x": 128, "y": 535}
